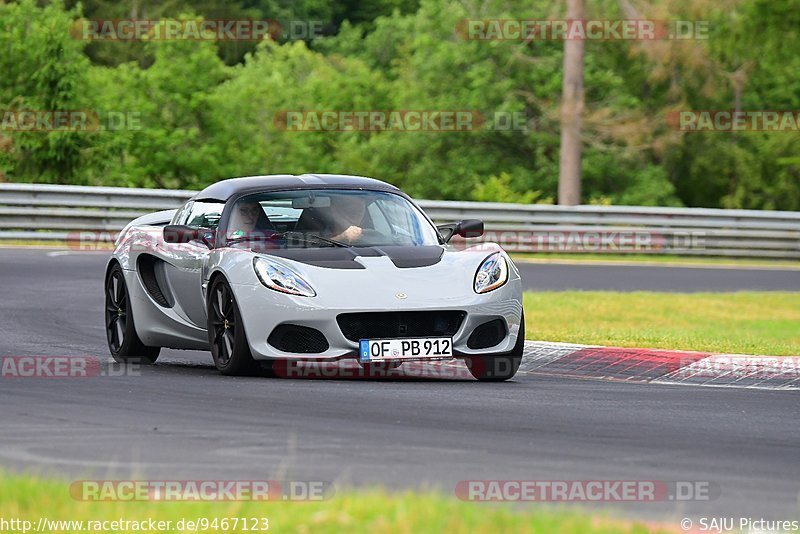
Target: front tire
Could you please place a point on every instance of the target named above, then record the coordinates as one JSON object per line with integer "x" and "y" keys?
{"x": 123, "y": 342}
{"x": 499, "y": 367}
{"x": 226, "y": 335}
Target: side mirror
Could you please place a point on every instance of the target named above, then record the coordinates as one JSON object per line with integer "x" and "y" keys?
{"x": 180, "y": 233}
{"x": 467, "y": 228}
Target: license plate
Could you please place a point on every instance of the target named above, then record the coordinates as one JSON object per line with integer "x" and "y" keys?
{"x": 375, "y": 350}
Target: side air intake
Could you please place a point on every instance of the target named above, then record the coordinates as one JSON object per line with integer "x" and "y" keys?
{"x": 151, "y": 271}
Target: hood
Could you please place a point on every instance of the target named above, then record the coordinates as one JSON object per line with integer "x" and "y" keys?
{"x": 380, "y": 278}
{"x": 429, "y": 276}
{"x": 403, "y": 257}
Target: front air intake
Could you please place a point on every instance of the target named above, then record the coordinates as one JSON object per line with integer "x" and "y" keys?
{"x": 389, "y": 325}
{"x": 298, "y": 339}
{"x": 487, "y": 335}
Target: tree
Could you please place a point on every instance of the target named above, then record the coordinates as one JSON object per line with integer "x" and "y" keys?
{"x": 44, "y": 70}
{"x": 569, "y": 172}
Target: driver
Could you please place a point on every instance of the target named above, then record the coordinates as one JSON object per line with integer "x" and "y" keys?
{"x": 348, "y": 217}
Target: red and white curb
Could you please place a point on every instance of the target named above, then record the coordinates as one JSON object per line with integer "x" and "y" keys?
{"x": 567, "y": 360}
{"x": 661, "y": 366}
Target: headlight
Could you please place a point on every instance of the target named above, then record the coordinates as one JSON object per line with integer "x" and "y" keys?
{"x": 492, "y": 274}
{"x": 281, "y": 278}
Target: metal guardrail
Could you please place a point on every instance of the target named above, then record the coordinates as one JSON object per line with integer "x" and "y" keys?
{"x": 74, "y": 213}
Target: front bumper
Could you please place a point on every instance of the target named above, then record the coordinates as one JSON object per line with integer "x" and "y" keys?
{"x": 263, "y": 310}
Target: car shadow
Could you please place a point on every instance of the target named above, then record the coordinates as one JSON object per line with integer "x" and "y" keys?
{"x": 343, "y": 370}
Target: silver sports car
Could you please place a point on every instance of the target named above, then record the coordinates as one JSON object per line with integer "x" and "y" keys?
{"x": 312, "y": 267}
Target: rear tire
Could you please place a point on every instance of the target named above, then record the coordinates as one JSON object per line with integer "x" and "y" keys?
{"x": 123, "y": 342}
{"x": 226, "y": 335}
{"x": 499, "y": 367}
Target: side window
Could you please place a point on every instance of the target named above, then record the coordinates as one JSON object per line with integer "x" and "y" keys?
{"x": 205, "y": 214}
{"x": 379, "y": 221}
{"x": 182, "y": 213}
{"x": 397, "y": 217}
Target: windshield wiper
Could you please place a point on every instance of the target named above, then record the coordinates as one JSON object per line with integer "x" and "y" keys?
{"x": 316, "y": 237}
{"x": 303, "y": 236}
{"x": 250, "y": 237}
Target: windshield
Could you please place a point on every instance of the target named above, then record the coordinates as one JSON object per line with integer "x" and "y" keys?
{"x": 330, "y": 217}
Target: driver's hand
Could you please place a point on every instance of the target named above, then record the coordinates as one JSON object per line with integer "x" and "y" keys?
{"x": 353, "y": 233}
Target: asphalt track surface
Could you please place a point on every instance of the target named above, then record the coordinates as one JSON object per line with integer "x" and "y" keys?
{"x": 181, "y": 420}
{"x": 691, "y": 279}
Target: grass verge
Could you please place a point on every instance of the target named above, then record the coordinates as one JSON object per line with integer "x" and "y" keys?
{"x": 30, "y": 498}
{"x": 748, "y": 322}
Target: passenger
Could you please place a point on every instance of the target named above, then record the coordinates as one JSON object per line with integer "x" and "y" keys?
{"x": 244, "y": 219}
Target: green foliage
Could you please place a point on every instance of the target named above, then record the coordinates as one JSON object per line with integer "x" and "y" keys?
{"x": 245, "y": 126}
{"x": 43, "y": 69}
{"x": 500, "y": 189}
{"x": 209, "y": 111}
{"x": 170, "y": 102}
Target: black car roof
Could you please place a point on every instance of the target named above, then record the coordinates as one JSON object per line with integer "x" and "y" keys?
{"x": 225, "y": 189}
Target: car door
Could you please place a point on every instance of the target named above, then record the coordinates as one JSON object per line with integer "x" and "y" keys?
{"x": 187, "y": 263}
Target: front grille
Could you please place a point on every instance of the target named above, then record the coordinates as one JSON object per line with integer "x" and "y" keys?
{"x": 487, "y": 335}
{"x": 298, "y": 339}
{"x": 388, "y": 325}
